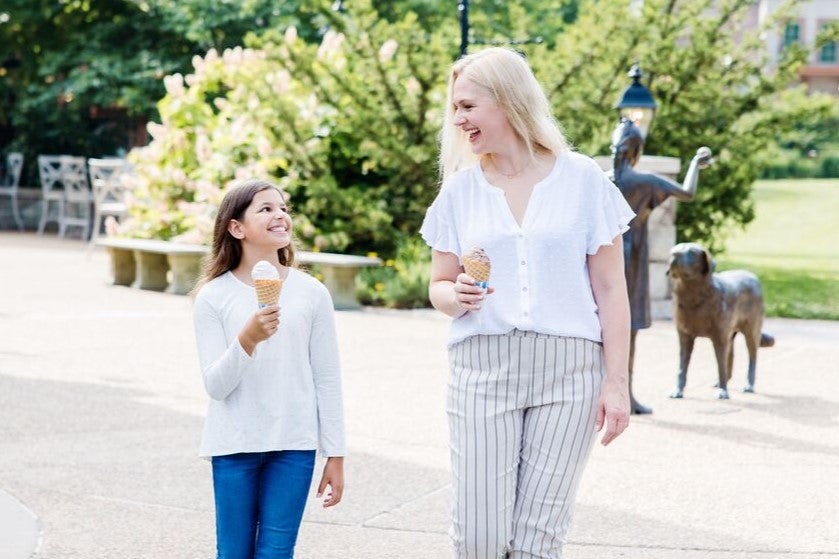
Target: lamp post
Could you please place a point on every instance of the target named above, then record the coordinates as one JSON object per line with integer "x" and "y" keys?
{"x": 463, "y": 14}
{"x": 637, "y": 103}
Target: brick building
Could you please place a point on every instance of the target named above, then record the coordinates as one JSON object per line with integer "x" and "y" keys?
{"x": 821, "y": 73}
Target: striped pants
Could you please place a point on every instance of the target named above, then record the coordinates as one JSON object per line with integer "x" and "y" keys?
{"x": 521, "y": 410}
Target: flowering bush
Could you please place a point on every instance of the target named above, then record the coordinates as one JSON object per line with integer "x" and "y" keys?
{"x": 219, "y": 125}
{"x": 346, "y": 127}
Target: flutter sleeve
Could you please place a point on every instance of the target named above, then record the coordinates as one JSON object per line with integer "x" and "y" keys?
{"x": 439, "y": 229}
{"x": 610, "y": 214}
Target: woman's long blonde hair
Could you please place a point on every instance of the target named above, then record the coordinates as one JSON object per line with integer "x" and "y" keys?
{"x": 507, "y": 76}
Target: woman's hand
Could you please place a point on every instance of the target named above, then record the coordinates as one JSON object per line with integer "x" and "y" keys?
{"x": 613, "y": 408}
{"x": 333, "y": 479}
{"x": 261, "y": 326}
{"x": 450, "y": 290}
{"x": 467, "y": 295}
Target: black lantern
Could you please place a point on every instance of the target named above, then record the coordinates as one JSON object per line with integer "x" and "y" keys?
{"x": 637, "y": 103}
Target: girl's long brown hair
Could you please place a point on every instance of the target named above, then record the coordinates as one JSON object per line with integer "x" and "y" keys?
{"x": 226, "y": 253}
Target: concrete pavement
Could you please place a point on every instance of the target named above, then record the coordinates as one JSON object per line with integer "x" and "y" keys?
{"x": 101, "y": 405}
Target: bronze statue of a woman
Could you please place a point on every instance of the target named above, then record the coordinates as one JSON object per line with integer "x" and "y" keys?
{"x": 644, "y": 192}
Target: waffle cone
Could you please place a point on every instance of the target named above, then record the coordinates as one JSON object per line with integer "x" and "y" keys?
{"x": 268, "y": 291}
{"x": 477, "y": 269}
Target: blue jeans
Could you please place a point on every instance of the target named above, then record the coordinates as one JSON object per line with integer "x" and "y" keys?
{"x": 260, "y": 497}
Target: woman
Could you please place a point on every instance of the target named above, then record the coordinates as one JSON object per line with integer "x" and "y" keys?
{"x": 538, "y": 360}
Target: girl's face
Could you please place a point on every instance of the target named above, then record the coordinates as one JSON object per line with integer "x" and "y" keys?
{"x": 480, "y": 117}
{"x": 266, "y": 222}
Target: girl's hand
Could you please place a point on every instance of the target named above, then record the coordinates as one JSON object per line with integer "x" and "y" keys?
{"x": 467, "y": 295}
{"x": 333, "y": 478}
{"x": 261, "y": 326}
{"x": 613, "y": 408}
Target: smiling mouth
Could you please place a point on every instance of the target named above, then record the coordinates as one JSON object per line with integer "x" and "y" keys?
{"x": 473, "y": 135}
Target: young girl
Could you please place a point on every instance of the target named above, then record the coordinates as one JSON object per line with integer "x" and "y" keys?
{"x": 273, "y": 379}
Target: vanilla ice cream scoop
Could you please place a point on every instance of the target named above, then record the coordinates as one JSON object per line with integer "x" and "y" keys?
{"x": 267, "y": 282}
{"x": 264, "y": 270}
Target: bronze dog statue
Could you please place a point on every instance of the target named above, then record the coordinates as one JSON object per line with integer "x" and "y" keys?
{"x": 716, "y": 306}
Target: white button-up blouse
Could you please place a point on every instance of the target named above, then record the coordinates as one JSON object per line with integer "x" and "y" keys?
{"x": 539, "y": 269}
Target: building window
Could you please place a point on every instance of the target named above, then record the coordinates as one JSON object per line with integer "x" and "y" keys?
{"x": 828, "y": 52}
{"x": 791, "y": 34}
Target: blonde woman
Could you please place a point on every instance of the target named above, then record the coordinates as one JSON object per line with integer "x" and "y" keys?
{"x": 539, "y": 359}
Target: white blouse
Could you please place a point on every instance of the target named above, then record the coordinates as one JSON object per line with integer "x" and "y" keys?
{"x": 287, "y": 395}
{"x": 539, "y": 269}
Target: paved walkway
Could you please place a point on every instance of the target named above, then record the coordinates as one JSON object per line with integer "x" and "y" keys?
{"x": 100, "y": 416}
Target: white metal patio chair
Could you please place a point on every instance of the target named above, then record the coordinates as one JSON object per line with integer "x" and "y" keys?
{"x": 106, "y": 177}
{"x": 52, "y": 189}
{"x": 10, "y": 182}
{"x": 78, "y": 198}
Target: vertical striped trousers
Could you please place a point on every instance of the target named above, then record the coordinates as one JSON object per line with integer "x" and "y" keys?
{"x": 521, "y": 410}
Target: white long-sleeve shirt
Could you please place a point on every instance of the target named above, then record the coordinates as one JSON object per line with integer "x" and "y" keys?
{"x": 539, "y": 268}
{"x": 287, "y": 395}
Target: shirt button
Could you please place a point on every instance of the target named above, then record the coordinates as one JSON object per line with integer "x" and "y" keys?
{"x": 524, "y": 289}
{"x": 523, "y": 262}
{"x": 525, "y": 313}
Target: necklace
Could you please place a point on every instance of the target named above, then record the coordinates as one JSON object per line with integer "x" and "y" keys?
{"x": 508, "y": 175}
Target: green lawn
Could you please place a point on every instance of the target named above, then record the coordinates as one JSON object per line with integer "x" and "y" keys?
{"x": 793, "y": 246}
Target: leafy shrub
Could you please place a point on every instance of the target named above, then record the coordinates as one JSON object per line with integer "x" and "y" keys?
{"x": 830, "y": 166}
{"x": 402, "y": 283}
{"x": 792, "y": 164}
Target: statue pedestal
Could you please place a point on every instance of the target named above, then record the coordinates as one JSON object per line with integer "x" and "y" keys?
{"x": 662, "y": 232}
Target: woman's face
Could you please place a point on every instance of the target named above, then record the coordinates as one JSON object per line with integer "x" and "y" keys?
{"x": 480, "y": 118}
{"x": 266, "y": 221}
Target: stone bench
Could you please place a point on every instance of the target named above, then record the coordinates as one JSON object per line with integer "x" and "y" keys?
{"x": 339, "y": 271}
{"x": 175, "y": 267}
{"x": 146, "y": 263}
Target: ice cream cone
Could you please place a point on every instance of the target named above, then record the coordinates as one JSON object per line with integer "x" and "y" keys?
{"x": 268, "y": 291}
{"x": 476, "y": 264}
{"x": 267, "y": 282}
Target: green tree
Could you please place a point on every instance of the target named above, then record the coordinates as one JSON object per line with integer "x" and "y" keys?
{"x": 82, "y": 77}
{"x": 383, "y": 86}
{"x": 353, "y": 135}
{"x": 710, "y": 80}
{"x": 75, "y": 61}
{"x": 489, "y": 20}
